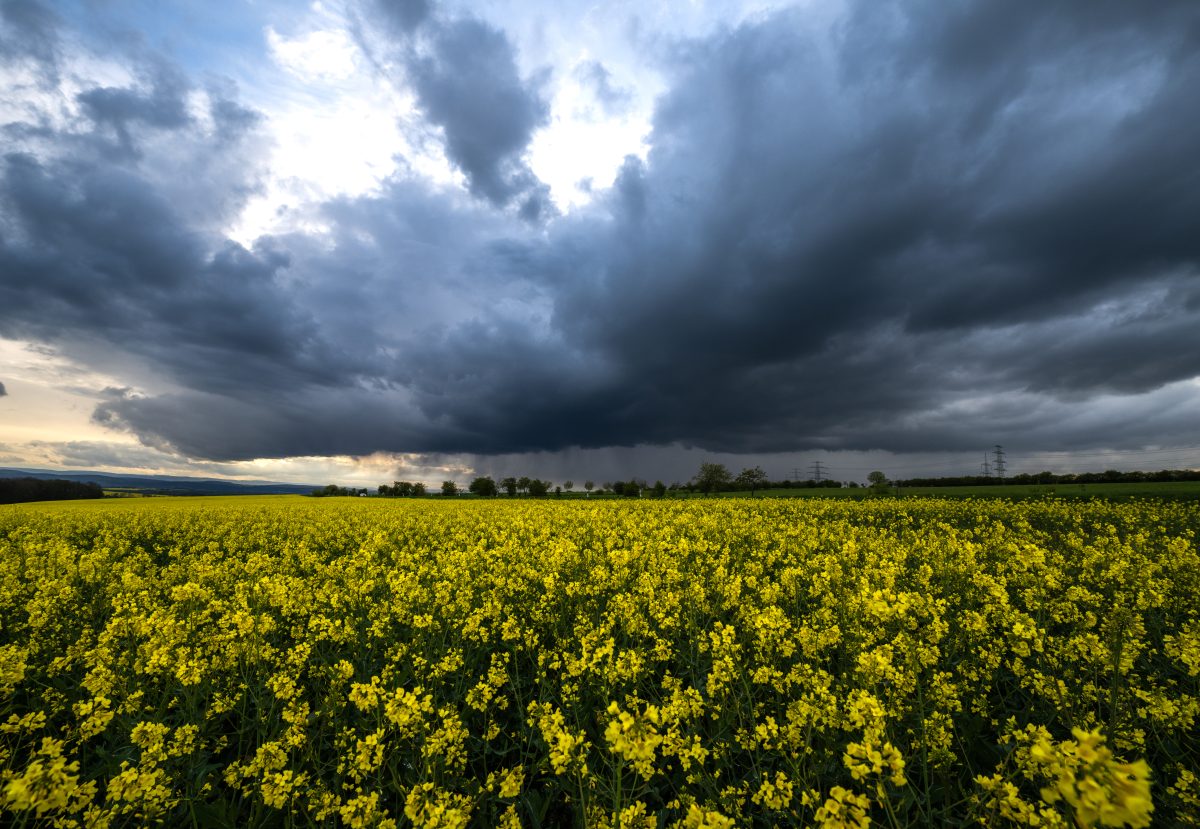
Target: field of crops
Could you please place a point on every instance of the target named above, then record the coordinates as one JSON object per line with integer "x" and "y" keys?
{"x": 730, "y": 662}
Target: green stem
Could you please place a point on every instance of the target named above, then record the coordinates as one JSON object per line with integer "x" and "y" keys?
{"x": 1115, "y": 684}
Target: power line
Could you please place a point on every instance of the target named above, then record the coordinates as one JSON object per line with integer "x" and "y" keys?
{"x": 817, "y": 472}
{"x": 1036, "y": 462}
{"x": 999, "y": 464}
{"x": 1032, "y": 459}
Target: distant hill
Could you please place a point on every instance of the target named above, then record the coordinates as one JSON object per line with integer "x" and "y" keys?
{"x": 162, "y": 484}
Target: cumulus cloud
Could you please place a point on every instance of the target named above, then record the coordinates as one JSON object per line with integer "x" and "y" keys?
{"x": 162, "y": 106}
{"x": 104, "y": 245}
{"x": 464, "y": 75}
{"x": 889, "y": 233}
{"x": 404, "y": 15}
{"x": 97, "y": 252}
{"x": 613, "y": 99}
{"x": 466, "y": 79}
{"x": 836, "y": 254}
{"x": 29, "y": 33}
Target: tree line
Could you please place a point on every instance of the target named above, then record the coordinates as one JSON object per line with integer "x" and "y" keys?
{"x": 397, "y": 489}
{"x": 22, "y": 490}
{"x": 333, "y": 490}
{"x": 402, "y": 489}
{"x": 713, "y": 478}
{"x": 1110, "y": 476}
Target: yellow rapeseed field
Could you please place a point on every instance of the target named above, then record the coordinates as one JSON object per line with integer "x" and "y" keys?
{"x": 741, "y": 662}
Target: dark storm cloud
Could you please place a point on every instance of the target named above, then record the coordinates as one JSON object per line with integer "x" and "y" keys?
{"x": 280, "y": 424}
{"x": 3, "y": 391}
{"x": 95, "y": 252}
{"x": 467, "y": 83}
{"x": 464, "y": 74}
{"x": 841, "y": 255}
{"x": 29, "y": 31}
{"x": 113, "y": 253}
{"x": 117, "y": 110}
{"x": 404, "y": 15}
{"x": 904, "y": 235}
{"x": 162, "y": 107}
{"x": 231, "y": 120}
{"x": 1075, "y": 118}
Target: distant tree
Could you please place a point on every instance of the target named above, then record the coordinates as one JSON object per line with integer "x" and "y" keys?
{"x": 589, "y": 486}
{"x": 483, "y": 487}
{"x": 558, "y": 491}
{"x": 878, "y": 481}
{"x": 625, "y": 489}
{"x": 568, "y": 485}
{"x": 404, "y": 489}
{"x": 384, "y": 490}
{"x": 660, "y": 489}
{"x": 449, "y": 488}
{"x": 523, "y": 484}
{"x": 509, "y": 485}
{"x": 537, "y": 487}
{"x": 418, "y": 490}
{"x": 712, "y": 477}
{"x": 751, "y": 479}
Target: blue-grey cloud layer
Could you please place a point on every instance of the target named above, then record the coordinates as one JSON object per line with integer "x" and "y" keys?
{"x": 924, "y": 229}
{"x": 467, "y": 83}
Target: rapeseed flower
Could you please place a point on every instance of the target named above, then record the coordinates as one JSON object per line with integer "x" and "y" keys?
{"x": 687, "y": 663}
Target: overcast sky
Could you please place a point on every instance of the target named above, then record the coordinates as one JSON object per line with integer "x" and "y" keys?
{"x": 360, "y": 241}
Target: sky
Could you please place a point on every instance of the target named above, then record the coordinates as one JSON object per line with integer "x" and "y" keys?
{"x": 373, "y": 240}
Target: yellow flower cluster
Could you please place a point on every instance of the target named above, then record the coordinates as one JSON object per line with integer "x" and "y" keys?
{"x": 1098, "y": 790}
{"x": 567, "y": 749}
{"x": 634, "y": 737}
{"x": 698, "y": 664}
{"x": 1094, "y": 788}
{"x": 844, "y": 810}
